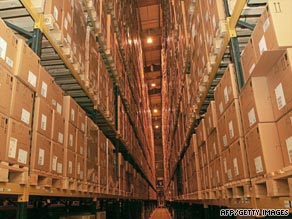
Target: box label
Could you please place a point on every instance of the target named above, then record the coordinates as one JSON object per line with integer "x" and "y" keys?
{"x": 56, "y": 13}
{"x": 59, "y": 168}
{"x": 3, "y": 48}
{"x": 12, "y": 148}
{"x": 44, "y": 89}
{"x": 229, "y": 174}
{"x": 66, "y": 23}
{"x": 59, "y": 108}
{"x": 289, "y": 148}
{"x": 231, "y": 131}
{"x": 81, "y": 150}
{"x": 41, "y": 160}
{"x": 221, "y": 107}
{"x": 54, "y": 163}
{"x": 9, "y": 62}
{"x": 266, "y": 25}
{"x": 70, "y": 167}
{"x": 60, "y": 137}
{"x": 252, "y": 117}
{"x": 225, "y": 141}
{"x": 218, "y": 177}
{"x": 280, "y": 98}
{"x": 44, "y": 122}
{"x": 25, "y": 116}
{"x": 226, "y": 97}
{"x": 214, "y": 148}
{"x": 32, "y": 79}
{"x": 262, "y": 45}
{"x": 251, "y": 68}
{"x": 83, "y": 127}
{"x": 71, "y": 140}
{"x": 81, "y": 174}
{"x": 22, "y": 156}
{"x": 214, "y": 22}
{"x": 72, "y": 115}
{"x": 225, "y": 165}
{"x": 258, "y": 164}
{"x": 78, "y": 168}
{"x": 235, "y": 164}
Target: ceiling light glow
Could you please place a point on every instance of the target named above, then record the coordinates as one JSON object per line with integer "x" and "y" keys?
{"x": 149, "y": 40}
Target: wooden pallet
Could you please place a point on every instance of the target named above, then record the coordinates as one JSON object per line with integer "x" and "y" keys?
{"x": 92, "y": 188}
{"x": 103, "y": 189}
{"x": 69, "y": 184}
{"x": 13, "y": 173}
{"x": 238, "y": 189}
{"x": 41, "y": 178}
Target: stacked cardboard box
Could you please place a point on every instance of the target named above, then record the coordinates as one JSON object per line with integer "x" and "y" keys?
{"x": 103, "y": 162}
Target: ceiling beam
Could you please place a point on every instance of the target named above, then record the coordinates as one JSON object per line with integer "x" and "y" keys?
{"x": 146, "y": 3}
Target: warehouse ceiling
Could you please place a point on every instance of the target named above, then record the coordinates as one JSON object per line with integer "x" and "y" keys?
{"x": 151, "y": 23}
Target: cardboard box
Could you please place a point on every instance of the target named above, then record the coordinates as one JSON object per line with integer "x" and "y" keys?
{"x": 27, "y": 65}
{"x": 8, "y": 47}
{"x": 21, "y": 103}
{"x": 6, "y": 84}
{"x": 91, "y": 130}
{"x": 69, "y": 164}
{"x": 213, "y": 145}
{"x": 263, "y": 149}
{"x": 103, "y": 78}
{"x": 284, "y": 126}
{"x": 70, "y": 137}
{"x": 248, "y": 60}
{"x": 53, "y": 14}
{"x": 57, "y": 158}
{"x": 222, "y": 132}
{"x": 217, "y": 16}
{"x": 233, "y": 122}
{"x": 226, "y": 91}
{"x": 92, "y": 172}
{"x": 255, "y": 102}
{"x": 211, "y": 118}
{"x": 43, "y": 117}
{"x": 279, "y": 84}
{"x": 3, "y": 137}
{"x": 70, "y": 110}
{"x": 57, "y": 101}
{"x": 81, "y": 123}
{"x": 18, "y": 143}
{"x": 67, "y": 27}
{"x": 58, "y": 128}
{"x": 80, "y": 167}
{"x": 201, "y": 133}
{"x": 80, "y": 142}
{"x": 40, "y": 152}
{"x": 271, "y": 32}
{"x": 216, "y": 173}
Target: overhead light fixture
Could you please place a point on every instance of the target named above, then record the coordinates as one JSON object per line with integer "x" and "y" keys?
{"x": 149, "y": 40}
{"x": 153, "y": 85}
{"x": 157, "y": 126}
{"x": 155, "y": 110}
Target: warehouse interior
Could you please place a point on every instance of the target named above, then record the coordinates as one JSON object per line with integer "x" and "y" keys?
{"x": 145, "y": 109}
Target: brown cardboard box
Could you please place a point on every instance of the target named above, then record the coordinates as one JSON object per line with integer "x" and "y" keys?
{"x": 222, "y": 132}
{"x": 91, "y": 130}
{"x": 67, "y": 27}
{"x": 57, "y": 101}
{"x": 70, "y": 136}
{"x": 43, "y": 117}
{"x": 102, "y": 142}
{"x": 8, "y": 47}
{"x": 248, "y": 60}
{"x": 92, "y": 172}
{"x": 53, "y": 14}
{"x": 80, "y": 167}
{"x": 69, "y": 164}
{"x": 18, "y": 143}
{"x": 201, "y": 133}
{"x": 102, "y": 86}
{"x": 271, "y": 32}
{"x": 57, "y": 158}
{"x": 284, "y": 126}
{"x": 211, "y": 118}
{"x": 217, "y": 15}
{"x": 6, "y": 84}
{"x": 21, "y": 103}
{"x": 255, "y": 102}
{"x": 58, "y": 128}
{"x": 213, "y": 145}
{"x": 227, "y": 166}
{"x": 263, "y": 149}
{"x": 3, "y": 137}
{"x": 40, "y": 152}
{"x": 27, "y": 65}
{"x": 70, "y": 110}
{"x": 216, "y": 173}
{"x": 238, "y": 159}
{"x": 279, "y": 83}
{"x": 80, "y": 142}
{"x": 233, "y": 122}
{"x": 81, "y": 119}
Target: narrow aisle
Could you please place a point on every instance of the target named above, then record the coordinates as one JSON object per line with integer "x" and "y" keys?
{"x": 160, "y": 213}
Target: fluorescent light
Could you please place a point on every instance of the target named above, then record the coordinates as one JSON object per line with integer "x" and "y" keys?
{"x": 157, "y": 126}
{"x": 155, "y": 110}
{"x": 149, "y": 40}
{"x": 153, "y": 85}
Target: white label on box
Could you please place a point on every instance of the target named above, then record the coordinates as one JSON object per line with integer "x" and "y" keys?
{"x": 70, "y": 167}
{"x": 78, "y": 168}
{"x": 83, "y": 127}
{"x": 225, "y": 165}
{"x": 44, "y": 122}
{"x": 32, "y": 79}
{"x": 59, "y": 168}
{"x": 258, "y": 164}
{"x": 69, "y": 40}
{"x": 224, "y": 141}
{"x": 69, "y": 18}
{"x": 60, "y": 138}
{"x": 44, "y": 90}
{"x": 207, "y": 16}
{"x": 226, "y": 97}
{"x": 9, "y": 62}
{"x": 12, "y": 148}
{"x": 235, "y": 164}
{"x": 66, "y": 24}
{"x": 81, "y": 174}
{"x": 41, "y": 160}
{"x": 231, "y": 131}
{"x": 25, "y": 116}
{"x": 54, "y": 102}
{"x": 59, "y": 108}
{"x": 214, "y": 22}
{"x": 210, "y": 124}
{"x": 3, "y": 48}
{"x": 81, "y": 150}
{"x": 71, "y": 140}
{"x": 289, "y": 148}
{"x": 221, "y": 107}
{"x": 280, "y": 98}
{"x": 251, "y": 68}
{"x": 229, "y": 174}
{"x": 72, "y": 115}
{"x": 214, "y": 148}
{"x": 54, "y": 163}
{"x": 218, "y": 177}
{"x": 266, "y": 25}
{"x": 56, "y": 13}
{"x": 22, "y": 156}
{"x": 262, "y": 45}
{"x": 252, "y": 117}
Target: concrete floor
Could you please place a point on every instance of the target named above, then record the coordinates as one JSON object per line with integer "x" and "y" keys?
{"x": 161, "y": 213}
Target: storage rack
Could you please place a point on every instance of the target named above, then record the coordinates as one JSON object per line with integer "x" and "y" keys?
{"x": 70, "y": 81}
